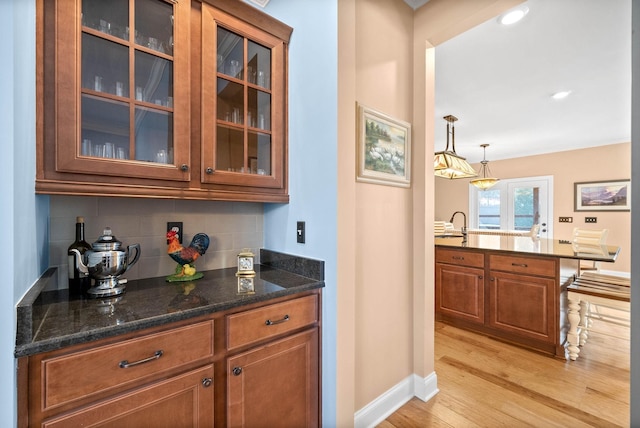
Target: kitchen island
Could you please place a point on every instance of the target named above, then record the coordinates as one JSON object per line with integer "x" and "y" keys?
{"x": 198, "y": 353}
{"x": 513, "y": 288}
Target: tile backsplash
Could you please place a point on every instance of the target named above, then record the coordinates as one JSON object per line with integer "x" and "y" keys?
{"x": 231, "y": 226}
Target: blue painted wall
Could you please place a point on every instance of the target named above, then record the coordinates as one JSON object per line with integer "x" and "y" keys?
{"x": 313, "y": 139}
{"x": 23, "y": 215}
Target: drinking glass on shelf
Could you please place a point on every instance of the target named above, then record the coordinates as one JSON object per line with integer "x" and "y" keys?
{"x": 119, "y": 89}
{"x": 98, "y": 150}
{"x": 121, "y": 153}
{"x": 109, "y": 150}
{"x": 234, "y": 68}
{"x": 97, "y": 83}
{"x": 161, "y": 156}
{"x": 139, "y": 95}
{"x": 261, "y": 78}
{"x": 86, "y": 147}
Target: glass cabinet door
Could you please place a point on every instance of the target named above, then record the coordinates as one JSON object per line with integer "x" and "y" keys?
{"x": 128, "y": 73}
{"x": 241, "y": 138}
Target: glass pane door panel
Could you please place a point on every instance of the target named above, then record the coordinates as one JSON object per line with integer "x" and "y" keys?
{"x": 154, "y": 79}
{"x": 105, "y": 128}
{"x": 105, "y": 66}
{"x": 230, "y": 101}
{"x": 229, "y": 149}
{"x": 259, "y": 153}
{"x": 230, "y": 53}
{"x": 154, "y": 135}
{"x": 258, "y": 65}
{"x": 259, "y": 109}
{"x": 110, "y": 17}
{"x": 489, "y": 209}
{"x": 154, "y": 25}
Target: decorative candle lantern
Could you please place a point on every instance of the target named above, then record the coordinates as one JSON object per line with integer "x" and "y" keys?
{"x": 245, "y": 263}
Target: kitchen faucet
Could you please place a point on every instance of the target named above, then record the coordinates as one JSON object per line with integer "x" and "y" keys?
{"x": 464, "y": 225}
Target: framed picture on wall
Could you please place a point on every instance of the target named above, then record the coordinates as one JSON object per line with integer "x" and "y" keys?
{"x": 614, "y": 195}
{"x": 384, "y": 149}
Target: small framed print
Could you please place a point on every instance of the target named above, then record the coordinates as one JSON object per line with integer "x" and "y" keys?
{"x": 384, "y": 149}
{"x": 613, "y": 195}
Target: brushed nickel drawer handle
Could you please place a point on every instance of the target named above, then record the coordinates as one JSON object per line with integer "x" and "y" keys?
{"x": 285, "y": 319}
{"x": 520, "y": 264}
{"x": 125, "y": 364}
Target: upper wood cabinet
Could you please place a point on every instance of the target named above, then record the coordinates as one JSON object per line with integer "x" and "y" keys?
{"x": 147, "y": 98}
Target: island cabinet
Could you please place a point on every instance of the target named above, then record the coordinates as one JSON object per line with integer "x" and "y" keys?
{"x": 507, "y": 296}
{"x": 256, "y": 365}
{"x": 460, "y": 285}
{"x": 161, "y": 98}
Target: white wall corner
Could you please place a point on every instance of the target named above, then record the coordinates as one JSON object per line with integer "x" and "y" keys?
{"x": 383, "y": 406}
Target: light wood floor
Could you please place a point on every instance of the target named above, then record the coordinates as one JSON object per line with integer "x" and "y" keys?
{"x": 487, "y": 383}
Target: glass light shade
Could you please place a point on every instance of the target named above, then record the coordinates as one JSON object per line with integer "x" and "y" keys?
{"x": 448, "y": 164}
{"x": 484, "y": 183}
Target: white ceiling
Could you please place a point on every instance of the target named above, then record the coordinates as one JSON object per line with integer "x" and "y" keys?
{"x": 498, "y": 80}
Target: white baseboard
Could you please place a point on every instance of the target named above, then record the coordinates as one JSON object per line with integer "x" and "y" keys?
{"x": 383, "y": 406}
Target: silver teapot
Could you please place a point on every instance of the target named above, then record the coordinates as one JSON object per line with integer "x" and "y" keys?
{"x": 105, "y": 262}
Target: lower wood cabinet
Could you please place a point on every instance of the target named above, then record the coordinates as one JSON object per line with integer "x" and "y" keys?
{"x": 257, "y": 365}
{"x": 507, "y": 296}
{"x": 275, "y": 385}
{"x": 182, "y": 400}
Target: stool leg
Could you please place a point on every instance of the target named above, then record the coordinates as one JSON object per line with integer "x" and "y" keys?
{"x": 573, "y": 339}
{"x": 584, "y": 321}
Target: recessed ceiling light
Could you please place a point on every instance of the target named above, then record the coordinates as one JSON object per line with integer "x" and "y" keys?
{"x": 560, "y": 95}
{"x": 513, "y": 16}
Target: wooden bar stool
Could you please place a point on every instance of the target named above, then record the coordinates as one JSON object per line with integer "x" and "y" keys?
{"x": 589, "y": 290}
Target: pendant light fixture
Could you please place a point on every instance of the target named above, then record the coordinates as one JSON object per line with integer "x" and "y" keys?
{"x": 485, "y": 182}
{"x": 448, "y": 164}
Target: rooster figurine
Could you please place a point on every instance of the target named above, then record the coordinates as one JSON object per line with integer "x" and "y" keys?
{"x": 185, "y": 257}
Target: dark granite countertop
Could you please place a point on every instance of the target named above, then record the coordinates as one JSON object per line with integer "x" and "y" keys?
{"x": 531, "y": 246}
{"x": 48, "y": 320}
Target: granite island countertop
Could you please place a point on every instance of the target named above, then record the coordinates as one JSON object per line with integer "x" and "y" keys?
{"x": 48, "y": 320}
{"x": 530, "y": 246}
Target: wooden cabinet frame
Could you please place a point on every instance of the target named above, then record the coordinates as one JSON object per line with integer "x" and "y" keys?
{"x": 60, "y": 170}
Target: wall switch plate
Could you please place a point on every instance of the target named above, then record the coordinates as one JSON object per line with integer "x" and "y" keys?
{"x": 591, "y": 219}
{"x": 177, "y": 226}
{"x": 565, "y": 219}
{"x": 300, "y": 236}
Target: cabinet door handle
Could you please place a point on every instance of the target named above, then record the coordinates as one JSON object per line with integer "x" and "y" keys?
{"x": 480, "y": 277}
{"x": 206, "y": 382}
{"x": 285, "y": 319}
{"x": 457, "y": 257}
{"x": 237, "y": 371}
{"x": 125, "y": 364}
{"x": 209, "y": 170}
{"x": 520, "y": 264}
{"x": 184, "y": 167}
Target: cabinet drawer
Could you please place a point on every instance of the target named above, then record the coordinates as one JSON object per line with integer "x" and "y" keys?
{"x": 69, "y": 377}
{"x": 463, "y": 258}
{"x": 252, "y": 326}
{"x": 526, "y": 265}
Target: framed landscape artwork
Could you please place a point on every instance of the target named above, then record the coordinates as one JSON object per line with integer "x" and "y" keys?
{"x": 614, "y": 195}
{"x": 384, "y": 149}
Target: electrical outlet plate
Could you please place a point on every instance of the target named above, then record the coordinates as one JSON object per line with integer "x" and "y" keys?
{"x": 178, "y": 225}
{"x": 300, "y": 235}
{"x": 565, "y": 219}
{"x": 591, "y": 219}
